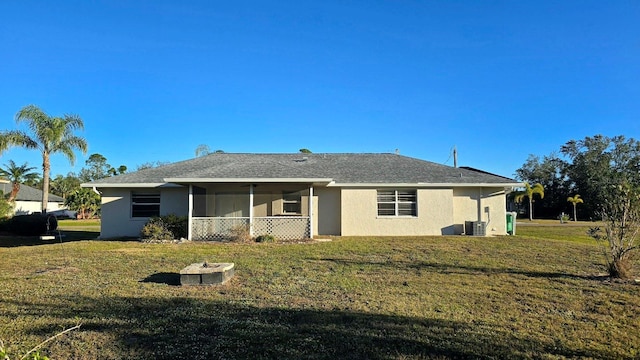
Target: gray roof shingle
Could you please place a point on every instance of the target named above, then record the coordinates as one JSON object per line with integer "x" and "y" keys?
{"x": 341, "y": 168}
{"x": 28, "y": 193}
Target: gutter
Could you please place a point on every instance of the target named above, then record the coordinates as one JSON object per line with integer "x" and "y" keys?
{"x": 424, "y": 185}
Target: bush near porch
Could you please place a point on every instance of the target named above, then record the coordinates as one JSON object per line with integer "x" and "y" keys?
{"x": 526, "y": 296}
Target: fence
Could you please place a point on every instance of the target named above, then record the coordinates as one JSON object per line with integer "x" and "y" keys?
{"x": 223, "y": 228}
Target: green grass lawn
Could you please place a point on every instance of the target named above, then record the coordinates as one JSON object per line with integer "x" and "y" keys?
{"x": 537, "y": 295}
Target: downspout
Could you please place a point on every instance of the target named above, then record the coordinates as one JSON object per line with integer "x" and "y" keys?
{"x": 190, "y": 213}
{"x": 95, "y": 190}
{"x": 251, "y": 210}
{"x": 480, "y": 204}
{"x": 311, "y": 212}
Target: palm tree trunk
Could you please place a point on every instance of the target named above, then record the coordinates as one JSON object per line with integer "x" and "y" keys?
{"x": 530, "y": 210}
{"x": 15, "y": 188}
{"x": 46, "y": 169}
{"x": 575, "y": 218}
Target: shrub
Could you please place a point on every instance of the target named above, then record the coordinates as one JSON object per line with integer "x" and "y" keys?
{"x": 265, "y": 238}
{"x": 33, "y": 224}
{"x": 156, "y": 229}
{"x": 168, "y": 227}
{"x": 620, "y": 235}
{"x": 176, "y": 224}
{"x": 6, "y": 206}
{"x": 240, "y": 233}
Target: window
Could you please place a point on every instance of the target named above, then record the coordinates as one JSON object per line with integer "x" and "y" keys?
{"x": 145, "y": 204}
{"x": 291, "y": 203}
{"x": 397, "y": 203}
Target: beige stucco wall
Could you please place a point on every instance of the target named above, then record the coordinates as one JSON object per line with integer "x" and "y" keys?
{"x": 347, "y": 212}
{"x": 480, "y": 204}
{"x": 116, "y": 210}
{"x": 262, "y": 204}
{"x": 494, "y": 210}
{"x": 327, "y": 211}
{"x": 359, "y": 214}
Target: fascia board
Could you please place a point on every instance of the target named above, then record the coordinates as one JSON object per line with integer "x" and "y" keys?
{"x": 322, "y": 181}
{"x": 423, "y": 185}
{"x": 129, "y": 185}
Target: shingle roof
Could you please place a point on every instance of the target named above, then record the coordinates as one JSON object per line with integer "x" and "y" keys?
{"x": 340, "y": 168}
{"x": 28, "y": 193}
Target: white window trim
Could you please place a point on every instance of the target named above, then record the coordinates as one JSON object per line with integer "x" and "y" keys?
{"x": 397, "y": 203}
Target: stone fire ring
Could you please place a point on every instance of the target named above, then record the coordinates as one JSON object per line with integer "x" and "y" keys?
{"x": 206, "y": 273}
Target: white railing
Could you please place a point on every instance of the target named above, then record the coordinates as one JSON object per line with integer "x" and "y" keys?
{"x": 225, "y": 228}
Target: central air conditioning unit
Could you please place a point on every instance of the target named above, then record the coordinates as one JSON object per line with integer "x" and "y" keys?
{"x": 475, "y": 228}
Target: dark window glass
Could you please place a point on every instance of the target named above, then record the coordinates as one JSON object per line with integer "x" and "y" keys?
{"x": 145, "y": 204}
{"x": 292, "y": 203}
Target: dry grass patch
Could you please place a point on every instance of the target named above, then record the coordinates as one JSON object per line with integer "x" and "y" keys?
{"x": 352, "y": 298}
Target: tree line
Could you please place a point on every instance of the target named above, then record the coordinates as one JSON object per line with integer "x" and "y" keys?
{"x": 589, "y": 168}
{"x": 604, "y": 174}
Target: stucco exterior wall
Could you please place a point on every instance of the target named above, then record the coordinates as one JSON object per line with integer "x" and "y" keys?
{"x": 346, "y": 212}
{"x": 480, "y": 204}
{"x": 174, "y": 201}
{"x": 494, "y": 210}
{"x": 359, "y": 214}
{"x": 327, "y": 211}
{"x": 116, "y": 210}
{"x": 29, "y": 207}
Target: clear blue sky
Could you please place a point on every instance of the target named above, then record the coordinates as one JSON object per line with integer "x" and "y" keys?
{"x": 154, "y": 79}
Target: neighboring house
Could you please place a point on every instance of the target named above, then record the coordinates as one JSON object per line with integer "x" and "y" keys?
{"x": 293, "y": 196}
{"x": 29, "y": 199}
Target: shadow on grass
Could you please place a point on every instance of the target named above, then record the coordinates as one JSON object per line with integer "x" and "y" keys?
{"x": 9, "y": 240}
{"x": 459, "y": 269}
{"x": 172, "y": 279}
{"x": 469, "y": 270}
{"x": 189, "y": 328}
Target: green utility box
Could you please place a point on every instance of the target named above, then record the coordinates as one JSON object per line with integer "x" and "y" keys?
{"x": 511, "y": 223}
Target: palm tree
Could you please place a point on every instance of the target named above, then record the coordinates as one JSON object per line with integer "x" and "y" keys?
{"x": 4, "y": 142}
{"x": 17, "y": 175}
{"x": 63, "y": 186}
{"x": 50, "y": 135}
{"x": 528, "y": 192}
{"x": 119, "y": 171}
{"x": 575, "y": 200}
{"x": 13, "y": 138}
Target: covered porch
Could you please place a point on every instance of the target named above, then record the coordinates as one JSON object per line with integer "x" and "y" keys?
{"x": 219, "y": 211}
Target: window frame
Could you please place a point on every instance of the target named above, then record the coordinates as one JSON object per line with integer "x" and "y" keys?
{"x": 399, "y": 199}
{"x": 297, "y": 201}
{"x": 135, "y": 213}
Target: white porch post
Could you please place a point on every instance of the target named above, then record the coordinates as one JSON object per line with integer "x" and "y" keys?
{"x": 311, "y": 211}
{"x": 251, "y": 210}
{"x": 190, "y": 214}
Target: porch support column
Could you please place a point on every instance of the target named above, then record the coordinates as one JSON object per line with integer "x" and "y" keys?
{"x": 250, "y": 209}
{"x": 311, "y": 212}
{"x": 190, "y": 214}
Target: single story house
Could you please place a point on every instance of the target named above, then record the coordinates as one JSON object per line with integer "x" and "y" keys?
{"x": 293, "y": 196}
{"x": 29, "y": 199}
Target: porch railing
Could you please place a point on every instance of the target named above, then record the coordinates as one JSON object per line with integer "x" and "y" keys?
{"x": 223, "y": 228}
